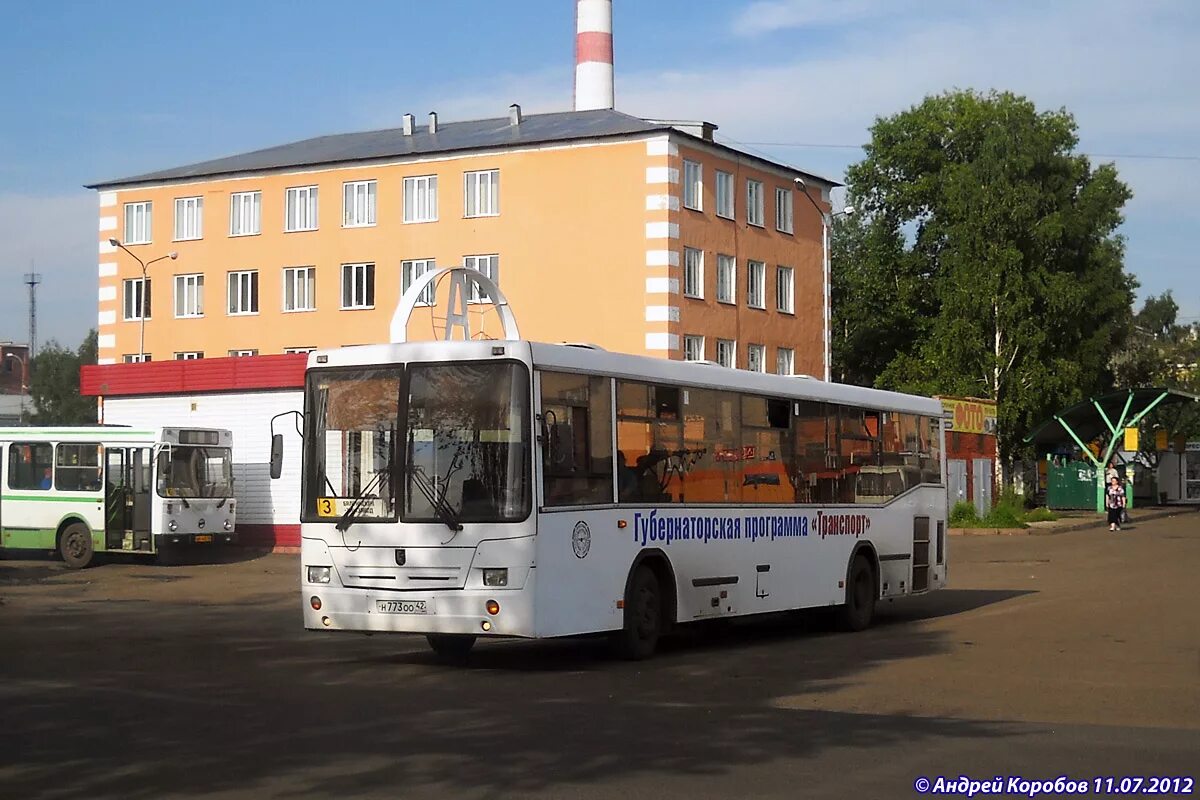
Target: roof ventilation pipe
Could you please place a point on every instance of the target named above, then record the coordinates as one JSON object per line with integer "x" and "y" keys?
{"x": 433, "y": 122}
{"x": 408, "y": 124}
{"x": 514, "y": 115}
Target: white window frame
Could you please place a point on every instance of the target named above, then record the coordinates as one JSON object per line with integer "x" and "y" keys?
{"x": 131, "y": 285}
{"x": 362, "y": 289}
{"x": 693, "y": 273}
{"x": 481, "y": 193}
{"x": 412, "y": 269}
{"x": 301, "y": 209}
{"x": 756, "y": 284}
{"x": 303, "y": 282}
{"x": 785, "y": 361}
{"x": 138, "y": 221}
{"x": 298, "y": 350}
{"x": 727, "y": 353}
{"x": 754, "y": 203}
{"x": 192, "y": 286}
{"x": 359, "y": 200}
{"x": 135, "y": 358}
{"x": 783, "y": 210}
{"x": 725, "y": 201}
{"x": 243, "y": 353}
{"x": 420, "y": 199}
{"x": 189, "y": 218}
{"x": 693, "y": 348}
{"x": 693, "y": 185}
{"x": 487, "y": 264}
{"x": 785, "y": 290}
{"x": 756, "y": 357}
{"x": 726, "y": 279}
{"x": 242, "y": 295}
{"x": 245, "y": 213}
{"x": 189, "y": 355}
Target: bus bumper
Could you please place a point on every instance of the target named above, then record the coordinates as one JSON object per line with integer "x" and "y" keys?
{"x": 452, "y": 612}
{"x": 198, "y": 538}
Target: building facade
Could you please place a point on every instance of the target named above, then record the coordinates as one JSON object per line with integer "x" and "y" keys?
{"x": 638, "y": 236}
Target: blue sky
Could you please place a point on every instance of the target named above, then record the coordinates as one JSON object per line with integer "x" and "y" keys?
{"x": 92, "y": 91}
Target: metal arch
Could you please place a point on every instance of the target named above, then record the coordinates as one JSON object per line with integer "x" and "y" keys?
{"x": 459, "y": 277}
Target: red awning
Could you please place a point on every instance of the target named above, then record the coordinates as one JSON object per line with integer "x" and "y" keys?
{"x": 243, "y": 373}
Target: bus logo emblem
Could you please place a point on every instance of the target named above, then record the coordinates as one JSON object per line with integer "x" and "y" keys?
{"x": 400, "y": 558}
{"x": 581, "y": 539}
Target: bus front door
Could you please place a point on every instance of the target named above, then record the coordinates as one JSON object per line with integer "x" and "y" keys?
{"x": 140, "y": 474}
{"x": 127, "y": 500}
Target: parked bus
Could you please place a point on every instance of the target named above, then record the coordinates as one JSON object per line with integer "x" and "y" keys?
{"x": 87, "y": 490}
{"x": 507, "y": 488}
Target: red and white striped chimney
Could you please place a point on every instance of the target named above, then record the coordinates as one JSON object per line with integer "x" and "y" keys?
{"x": 593, "y": 55}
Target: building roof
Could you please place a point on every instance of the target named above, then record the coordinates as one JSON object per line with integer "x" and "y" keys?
{"x": 243, "y": 373}
{"x": 451, "y": 137}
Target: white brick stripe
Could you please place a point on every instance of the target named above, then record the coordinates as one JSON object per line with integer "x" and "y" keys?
{"x": 106, "y": 341}
{"x": 662, "y": 286}
{"x": 107, "y": 269}
{"x": 662, "y": 314}
{"x": 108, "y": 224}
{"x": 108, "y": 293}
{"x": 106, "y": 318}
{"x": 662, "y": 175}
{"x": 662, "y": 230}
{"x": 108, "y": 199}
{"x": 662, "y": 202}
{"x": 106, "y": 361}
{"x": 662, "y": 258}
{"x": 661, "y": 147}
{"x": 105, "y": 247}
{"x": 593, "y": 16}
{"x": 662, "y": 341}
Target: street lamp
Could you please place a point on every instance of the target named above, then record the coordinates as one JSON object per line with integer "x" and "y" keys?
{"x": 826, "y": 219}
{"x": 144, "y": 293}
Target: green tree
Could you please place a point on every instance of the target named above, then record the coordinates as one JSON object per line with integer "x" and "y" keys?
{"x": 984, "y": 260}
{"x": 54, "y": 384}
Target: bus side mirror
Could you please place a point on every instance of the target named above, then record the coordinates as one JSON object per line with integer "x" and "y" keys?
{"x": 276, "y": 455}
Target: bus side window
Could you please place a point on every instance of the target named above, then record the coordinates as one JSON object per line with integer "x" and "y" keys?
{"x": 30, "y": 466}
{"x": 576, "y": 439}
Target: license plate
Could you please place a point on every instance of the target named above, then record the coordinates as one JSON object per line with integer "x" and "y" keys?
{"x": 404, "y": 606}
{"x": 202, "y": 537}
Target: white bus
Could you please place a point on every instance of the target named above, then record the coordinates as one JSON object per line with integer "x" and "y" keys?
{"x": 86, "y": 490}
{"x": 507, "y": 488}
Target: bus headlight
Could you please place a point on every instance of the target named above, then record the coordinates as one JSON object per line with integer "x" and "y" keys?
{"x": 172, "y": 526}
{"x": 318, "y": 574}
{"x": 228, "y": 525}
{"x": 495, "y": 577}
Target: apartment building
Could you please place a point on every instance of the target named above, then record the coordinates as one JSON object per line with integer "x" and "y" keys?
{"x": 636, "y": 235}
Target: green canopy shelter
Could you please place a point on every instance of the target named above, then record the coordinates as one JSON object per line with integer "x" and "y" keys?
{"x": 1106, "y": 415}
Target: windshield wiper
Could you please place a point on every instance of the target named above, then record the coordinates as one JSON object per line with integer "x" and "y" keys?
{"x": 351, "y": 514}
{"x": 439, "y": 505}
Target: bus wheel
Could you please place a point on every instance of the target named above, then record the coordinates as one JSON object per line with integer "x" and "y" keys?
{"x": 638, "y": 639}
{"x": 451, "y": 647}
{"x": 859, "y": 609}
{"x": 75, "y": 546}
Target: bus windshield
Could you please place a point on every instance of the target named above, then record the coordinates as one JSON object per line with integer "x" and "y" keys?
{"x": 195, "y": 471}
{"x": 467, "y": 443}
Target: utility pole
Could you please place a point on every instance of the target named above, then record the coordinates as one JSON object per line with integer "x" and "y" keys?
{"x": 32, "y": 279}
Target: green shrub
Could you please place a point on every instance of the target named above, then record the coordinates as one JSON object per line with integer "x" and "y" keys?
{"x": 1040, "y": 515}
{"x": 1003, "y": 516}
{"x": 963, "y": 515}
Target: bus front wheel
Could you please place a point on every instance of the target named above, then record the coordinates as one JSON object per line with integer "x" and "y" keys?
{"x": 450, "y": 647}
{"x": 861, "y": 593}
{"x": 75, "y": 546}
{"x": 639, "y": 637}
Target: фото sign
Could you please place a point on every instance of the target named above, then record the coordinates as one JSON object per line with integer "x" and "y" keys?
{"x": 967, "y": 415}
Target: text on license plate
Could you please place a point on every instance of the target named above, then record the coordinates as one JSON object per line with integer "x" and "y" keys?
{"x": 202, "y": 537}
{"x": 404, "y": 606}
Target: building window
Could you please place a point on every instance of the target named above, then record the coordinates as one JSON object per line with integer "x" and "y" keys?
{"x": 189, "y": 218}
{"x": 245, "y": 213}
{"x": 135, "y": 358}
{"x": 756, "y": 355}
{"x": 726, "y": 279}
{"x": 301, "y": 209}
{"x": 724, "y": 194}
{"x": 243, "y": 292}
{"x": 241, "y": 353}
{"x": 785, "y": 290}
{"x": 488, "y": 265}
{"x": 358, "y": 204}
{"x": 410, "y": 271}
{"x": 137, "y": 298}
{"x": 137, "y": 223}
{"x": 693, "y": 348}
{"x": 756, "y": 284}
{"x": 785, "y": 361}
{"x": 727, "y": 353}
{"x": 420, "y": 199}
{"x": 189, "y": 295}
{"x": 481, "y": 194}
{"x": 358, "y": 286}
{"x": 783, "y": 210}
{"x": 300, "y": 289}
{"x": 298, "y": 350}
{"x": 754, "y": 203}
{"x": 693, "y": 272}
{"x": 189, "y": 355}
{"x": 693, "y": 185}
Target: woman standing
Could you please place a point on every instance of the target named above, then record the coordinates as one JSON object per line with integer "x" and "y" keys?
{"x": 1114, "y": 501}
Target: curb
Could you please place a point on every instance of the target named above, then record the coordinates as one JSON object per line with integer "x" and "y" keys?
{"x": 1097, "y": 522}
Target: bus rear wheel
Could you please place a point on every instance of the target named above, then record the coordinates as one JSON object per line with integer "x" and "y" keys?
{"x": 858, "y": 611}
{"x": 450, "y": 647}
{"x": 638, "y": 639}
{"x": 75, "y": 546}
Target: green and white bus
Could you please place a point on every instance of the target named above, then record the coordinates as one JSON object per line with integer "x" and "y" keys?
{"x": 86, "y": 490}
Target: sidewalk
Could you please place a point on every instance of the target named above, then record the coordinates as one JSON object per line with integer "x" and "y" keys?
{"x": 1076, "y": 521}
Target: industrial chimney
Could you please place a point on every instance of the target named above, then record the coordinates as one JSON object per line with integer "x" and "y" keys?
{"x": 593, "y": 55}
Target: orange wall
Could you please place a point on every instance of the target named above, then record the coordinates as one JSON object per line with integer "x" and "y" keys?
{"x": 571, "y": 236}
